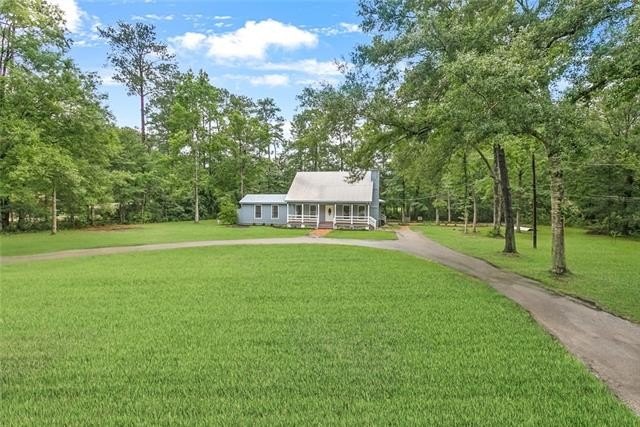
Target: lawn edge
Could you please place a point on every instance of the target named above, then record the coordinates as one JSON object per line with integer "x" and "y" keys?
{"x": 576, "y": 298}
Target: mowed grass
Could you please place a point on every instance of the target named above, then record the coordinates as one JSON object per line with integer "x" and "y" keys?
{"x": 604, "y": 270}
{"x": 363, "y": 234}
{"x": 136, "y": 234}
{"x": 279, "y": 335}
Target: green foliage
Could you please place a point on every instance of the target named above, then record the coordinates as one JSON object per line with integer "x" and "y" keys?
{"x": 434, "y": 82}
{"x": 205, "y": 140}
{"x": 325, "y": 129}
{"x": 225, "y": 336}
{"x": 139, "y": 60}
{"x": 228, "y": 211}
{"x": 476, "y": 74}
{"x": 54, "y": 132}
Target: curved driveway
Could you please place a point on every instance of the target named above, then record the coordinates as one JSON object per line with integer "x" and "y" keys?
{"x": 607, "y": 344}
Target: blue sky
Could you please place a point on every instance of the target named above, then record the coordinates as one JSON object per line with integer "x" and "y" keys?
{"x": 255, "y": 48}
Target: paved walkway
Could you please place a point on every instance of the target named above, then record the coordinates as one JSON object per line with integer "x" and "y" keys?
{"x": 609, "y": 345}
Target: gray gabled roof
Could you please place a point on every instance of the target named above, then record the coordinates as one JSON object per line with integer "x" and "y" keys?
{"x": 329, "y": 187}
{"x": 276, "y": 199}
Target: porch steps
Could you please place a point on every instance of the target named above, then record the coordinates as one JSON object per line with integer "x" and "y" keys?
{"x": 325, "y": 225}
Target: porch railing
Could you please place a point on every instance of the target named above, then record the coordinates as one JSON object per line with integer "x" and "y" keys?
{"x": 355, "y": 220}
{"x": 373, "y": 223}
{"x": 302, "y": 218}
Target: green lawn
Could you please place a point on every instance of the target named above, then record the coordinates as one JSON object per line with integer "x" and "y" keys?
{"x": 32, "y": 243}
{"x": 363, "y": 234}
{"x": 603, "y": 270}
{"x": 327, "y": 335}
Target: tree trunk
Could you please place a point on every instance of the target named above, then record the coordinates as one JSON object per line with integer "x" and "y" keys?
{"x": 54, "y": 212}
{"x": 144, "y": 203}
{"x": 5, "y": 214}
{"x": 466, "y": 191}
{"x": 143, "y": 125}
{"x": 196, "y": 217}
{"x": 437, "y": 216}
{"x": 241, "y": 181}
{"x": 92, "y": 214}
{"x": 448, "y": 207}
{"x": 509, "y": 235}
{"x": 500, "y": 210}
{"x": 534, "y": 201}
{"x": 497, "y": 200}
{"x": 558, "y": 261}
{"x": 519, "y": 202}
{"x": 475, "y": 212}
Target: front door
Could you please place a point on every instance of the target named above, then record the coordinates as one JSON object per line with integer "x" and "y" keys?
{"x": 329, "y": 213}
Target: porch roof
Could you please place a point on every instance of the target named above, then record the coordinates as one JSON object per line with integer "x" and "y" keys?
{"x": 330, "y": 187}
{"x": 276, "y": 199}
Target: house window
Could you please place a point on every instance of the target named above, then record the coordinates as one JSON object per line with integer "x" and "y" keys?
{"x": 275, "y": 212}
{"x": 313, "y": 210}
{"x": 298, "y": 209}
{"x": 346, "y": 210}
{"x": 362, "y": 210}
{"x": 257, "y": 214}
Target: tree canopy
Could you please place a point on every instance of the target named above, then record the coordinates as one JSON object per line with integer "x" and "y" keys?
{"x": 475, "y": 111}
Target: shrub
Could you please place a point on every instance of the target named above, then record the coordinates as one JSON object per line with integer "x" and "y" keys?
{"x": 228, "y": 211}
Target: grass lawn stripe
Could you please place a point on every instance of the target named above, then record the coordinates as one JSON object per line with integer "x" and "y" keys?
{"x": 137, "y": 234}
{"x": 280, "y": 335}
{"x": 604, "y": 270}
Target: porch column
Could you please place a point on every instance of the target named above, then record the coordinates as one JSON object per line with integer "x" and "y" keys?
{"x": 335, "y": 212}
{"x": 302, "y": 212}
{"x": 351, "y": 214}
{"x": 318, "y": 217}
{"x": 287, "y": 213}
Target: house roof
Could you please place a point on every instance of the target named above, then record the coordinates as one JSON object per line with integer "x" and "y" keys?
{"x": 277, "y": 199}
{"x": 329, "y": 187}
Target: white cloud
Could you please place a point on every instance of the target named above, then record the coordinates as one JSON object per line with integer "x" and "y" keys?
{"x": 222, "y": 18}
{"x": 317, "y": 81}
{"x": 286, "y": 129}
{"x": 307, "y": 66}
{"x": 251, "y": 41}
{"x": 350, "y": 28}
{"x": 272, "y": 80}
{"x": 341, "y": 28}
{"x": 190, "y": 41}
{"x": 193, "y": 17}
{"x": 72, "y": 13}
{"x": 87, "y": 35}
{"x": 106, "y": 75}
{"x": 152, "y": 17}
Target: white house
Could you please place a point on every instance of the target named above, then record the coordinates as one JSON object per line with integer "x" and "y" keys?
{"x": 318, "y": 200}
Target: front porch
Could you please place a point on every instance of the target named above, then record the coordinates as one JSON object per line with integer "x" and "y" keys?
{"x": 330, "y": 215}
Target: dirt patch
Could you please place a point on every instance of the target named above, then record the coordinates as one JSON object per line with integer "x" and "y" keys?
{"x": 320, "y": 232}
{"x": 114, "y": 227}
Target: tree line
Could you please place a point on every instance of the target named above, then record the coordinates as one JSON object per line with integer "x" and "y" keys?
{"x": 197, "y": 149}
{"x": 503, "y": 112}
{"x": 510, "y": 113}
